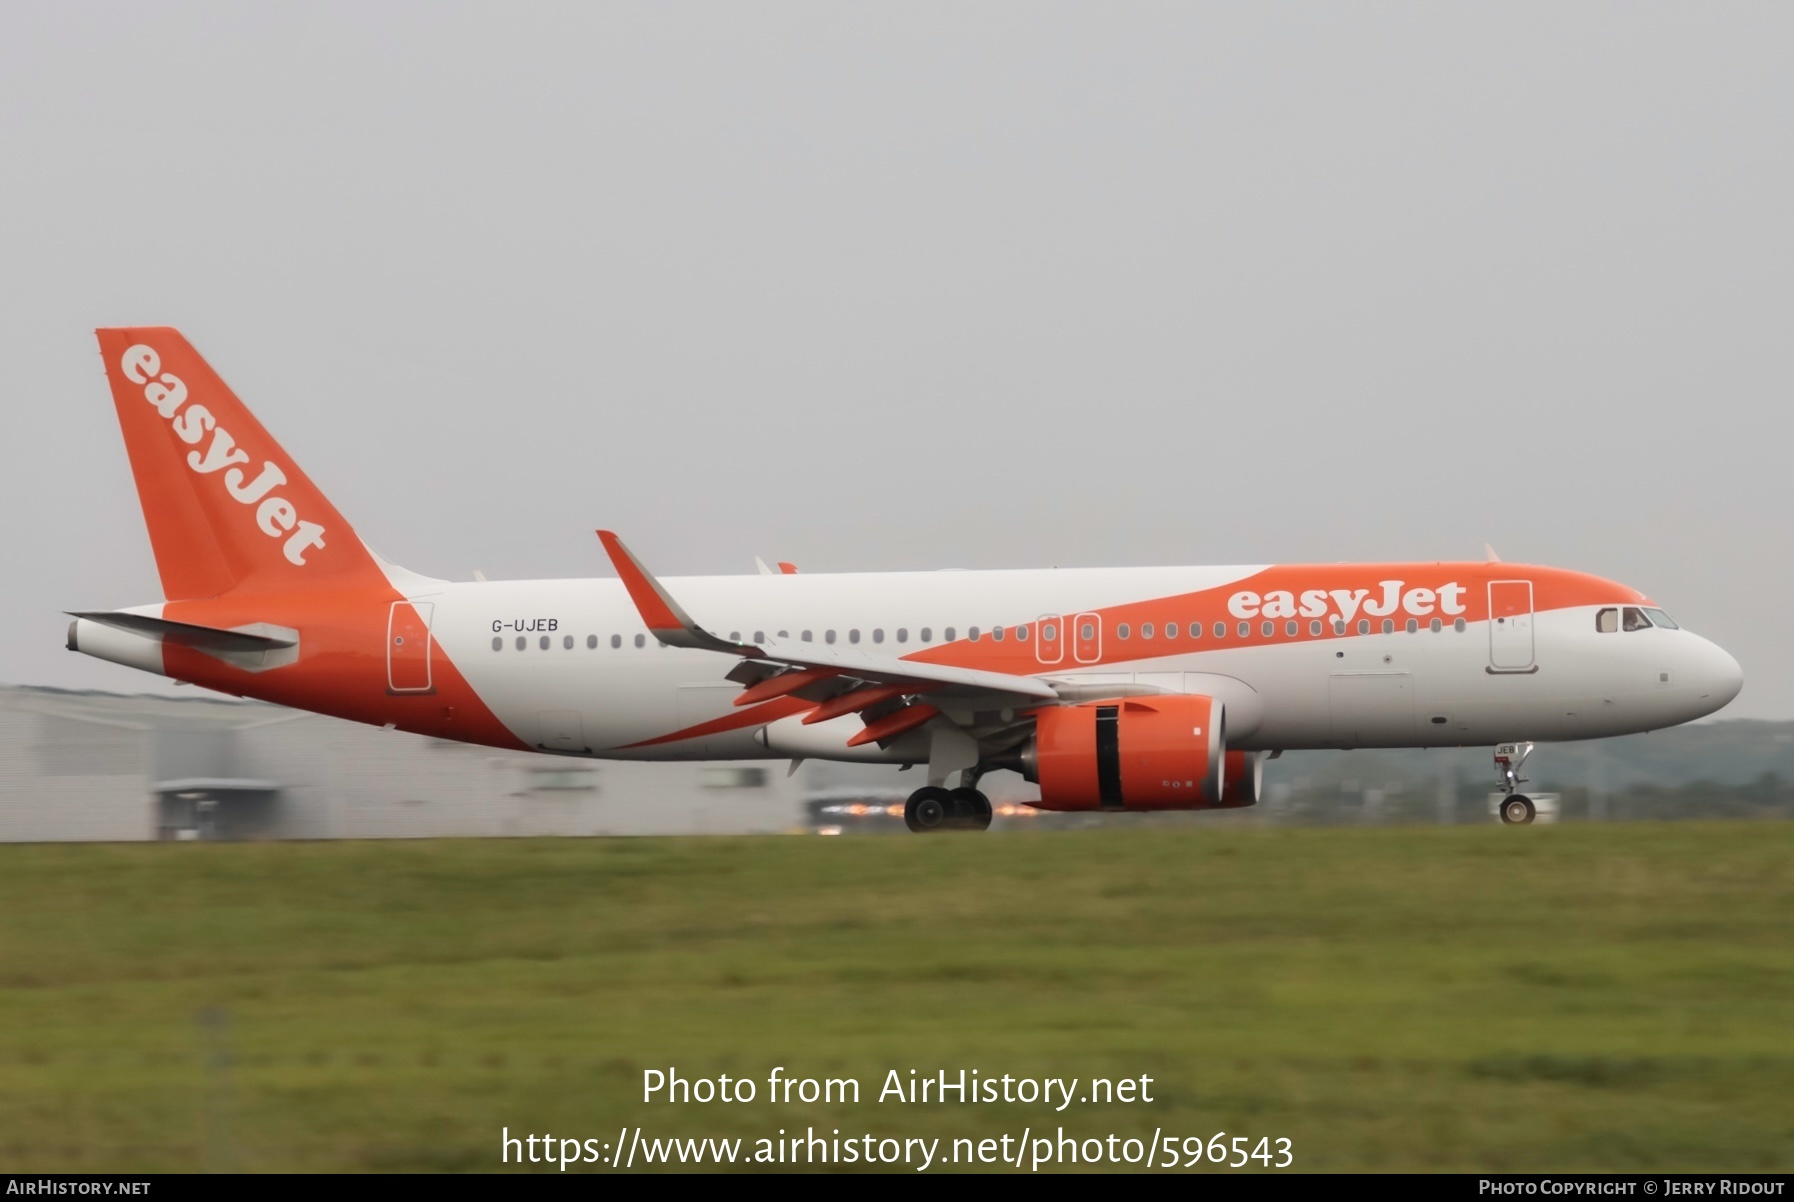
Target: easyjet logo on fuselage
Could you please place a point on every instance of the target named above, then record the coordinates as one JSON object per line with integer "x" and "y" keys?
{"x": 275, "y": 516}
{"x": 1346, "y": 603}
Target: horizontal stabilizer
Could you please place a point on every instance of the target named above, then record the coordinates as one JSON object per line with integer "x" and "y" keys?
{"x": 203, "y": 638}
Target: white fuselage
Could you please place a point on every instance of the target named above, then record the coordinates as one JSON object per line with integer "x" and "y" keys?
{"x": 585, "y": 652}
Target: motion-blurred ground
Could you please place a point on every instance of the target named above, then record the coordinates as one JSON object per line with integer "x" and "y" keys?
{"x": 1611, "y": 997}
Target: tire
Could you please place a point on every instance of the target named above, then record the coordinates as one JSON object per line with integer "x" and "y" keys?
{"x": 928, "y": 809}
{"x": 971, "y": 810}
{"x": 1518, "y": 810}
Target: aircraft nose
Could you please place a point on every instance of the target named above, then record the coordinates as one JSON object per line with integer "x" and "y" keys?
{"x": 1720, "y": 674}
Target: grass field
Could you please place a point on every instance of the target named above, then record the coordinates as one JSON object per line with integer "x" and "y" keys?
{"x": 1601, "y": 998}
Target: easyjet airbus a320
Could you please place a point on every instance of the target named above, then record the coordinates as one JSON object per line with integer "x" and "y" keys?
{"x": 1113, "y": 689}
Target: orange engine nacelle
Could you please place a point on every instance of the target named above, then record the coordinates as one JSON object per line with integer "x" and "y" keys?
{"x": 1137, "y": 753}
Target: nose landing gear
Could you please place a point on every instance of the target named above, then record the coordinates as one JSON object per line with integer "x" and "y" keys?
{"x": 1516, "y": 809}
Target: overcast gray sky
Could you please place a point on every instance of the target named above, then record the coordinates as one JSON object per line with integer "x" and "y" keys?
{"x": 912, "y": 285}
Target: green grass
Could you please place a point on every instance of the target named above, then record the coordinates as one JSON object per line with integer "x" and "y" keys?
{"x": 1598, "y": 998}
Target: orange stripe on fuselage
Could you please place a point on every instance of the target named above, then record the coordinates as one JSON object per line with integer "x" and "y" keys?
{"x": 1553, "y": 588}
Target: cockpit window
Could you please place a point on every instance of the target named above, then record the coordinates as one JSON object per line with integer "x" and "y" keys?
{"x": 1659, "y": 618}
{"x": 1634, "y": 619}
{"x": 1607, "y": 621}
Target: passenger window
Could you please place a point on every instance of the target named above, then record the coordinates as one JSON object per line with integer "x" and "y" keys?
{"x": 641, "y": 640}
{"x": 1458, "y": 626}
{"x": 1048, "y": 632}
{"x": 1171, "y": 630}
{"x": 1146, "y": 630}
{"x": 1195, "y": 630}
{"x": 1087, "y": 631}
{"x": 1269, "y": 628}
{"x": 784, "y": 634}
{"x": 828, "y": 636}
{"x": 853, "y": 636}
{"x": 878, "y": 634}
{"x": 1338, "y": 625}
{"x": 1437, "y": 625}
{"x": 591, "y": 642}
{"x": 522, "y": 643}
{"x": 1363, "y": 625}
{"x": 928, "y": 634}
{"x": 1607, "y": 621}
{"x": 1388, "y": 625}
{"x": 807, "y": 637}
{"x": 1121, "y": 631}
{"x": 1413, "y": 626}
{"x": 1314, "y": 627}
{"x": 996, "y": 634}
{"x": 1291, "y": 628}
{"x": 567, "y": 643}
{"x": 1220, "y": 630}
{"x": 1632, "y": 618}
{"x": 903, "y": 634}
{"x": 544, "y": 642}
{"x": 1021, "y": 634}
{"x": 616, "y": 641}
{"x": 498, "y": 644}
{"x": 947, "y": 634}
{"x": 759, "y": 636}
{"x": 1245, "y": 630}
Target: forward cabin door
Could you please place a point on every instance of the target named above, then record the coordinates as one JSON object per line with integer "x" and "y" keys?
{"x": 408, "y": 647}
{"x": 1510, "y": 625}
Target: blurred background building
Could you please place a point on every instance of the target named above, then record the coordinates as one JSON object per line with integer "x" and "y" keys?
{"x": 102, "y": 766}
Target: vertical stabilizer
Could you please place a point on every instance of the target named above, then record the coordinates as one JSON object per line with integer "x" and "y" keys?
{"x": 227, "y": 508}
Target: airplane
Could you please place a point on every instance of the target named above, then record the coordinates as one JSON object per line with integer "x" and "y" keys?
{"x": 1112, "y": 689}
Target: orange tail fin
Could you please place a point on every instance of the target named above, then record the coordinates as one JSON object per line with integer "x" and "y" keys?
{"x": 227, "y": 508}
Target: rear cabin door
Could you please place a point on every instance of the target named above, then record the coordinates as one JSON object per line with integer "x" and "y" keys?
{"x": 408, "y": 647}
{"x": 1510, "y": 625}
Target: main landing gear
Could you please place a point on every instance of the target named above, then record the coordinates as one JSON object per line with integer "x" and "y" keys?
{"x": 936, "y": 809}
{"x": 1516, "y": 808}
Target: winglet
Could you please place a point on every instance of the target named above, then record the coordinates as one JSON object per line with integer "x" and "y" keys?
{"x": 663, "y": 616}
{"x": 1490, "y": 552}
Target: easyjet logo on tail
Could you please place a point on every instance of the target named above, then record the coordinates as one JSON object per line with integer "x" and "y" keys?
{"x": 276, "y": 516}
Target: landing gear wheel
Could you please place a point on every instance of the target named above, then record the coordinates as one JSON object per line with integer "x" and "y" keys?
{"x": 1518, "y": 810}
{"x": 971, "y": 810}
{"x": 928, "y": 809}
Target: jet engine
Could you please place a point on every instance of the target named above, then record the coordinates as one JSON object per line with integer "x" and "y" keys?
{"x": 1242, "y": 780}
{"x": 1165, "y": 752}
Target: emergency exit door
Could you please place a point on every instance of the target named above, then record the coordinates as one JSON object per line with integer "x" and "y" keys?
{"x": 1087, "y": 638}
{"x": 1510, "y": 625}
{"x": 408, "y": 647}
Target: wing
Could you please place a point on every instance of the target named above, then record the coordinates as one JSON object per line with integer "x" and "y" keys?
{"x": 847, "y": 680}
